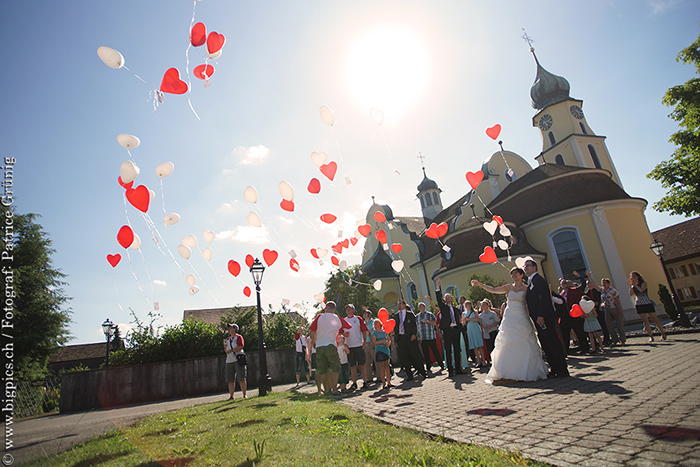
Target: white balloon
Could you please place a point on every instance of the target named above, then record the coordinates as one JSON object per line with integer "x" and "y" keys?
{"x": 377, "y": 284}
{"x": 321, "y": 252}
{"x": 165, "y": 169}
{"x": 520, "y": 262}
{"x": 216, "y": 54}
{"x": 397, "y": 265}
{"x": 250, "y": 194}
{"x": 112, "y": 58}
{"x": 286, "y": 191}
{"x": 503, "y": 245}
{"x": 128, "y": 172}
{"x": 190, "y": 279}
{"x": 327, "y": 115}
{"x": 136, "y": 244}
{"x": 376, "y": 115}
{"x": 193, "y": 290}
{"x": 152, "y": 194}
{"x": 586, "y": 305}
{"x": 491, "y": 227}
{"x": 505, "y": 231}
{"x": 190, "y": 241}
{"x": 184, "y": 251}
{"x": 171, "y": 219}
{"x": 128, "y": 141}
{"x": 253, "y": 219}
{"x": 208, "y": 235}
{"x": 319, "y": 158}
{"x": 319, "y": 297}
{"x": 207, "y": 253}
{"x": 343, "y": 265}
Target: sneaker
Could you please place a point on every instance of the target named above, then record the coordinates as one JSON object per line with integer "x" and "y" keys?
{"x": 352, "y": 387}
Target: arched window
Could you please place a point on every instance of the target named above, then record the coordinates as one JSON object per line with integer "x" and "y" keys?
{"x": 552, "y": 139}
{"x": 422, "y": 202}
{"x": 594, "y": 156}
{"x": 428, "y": 200}
{"x": 411, "y": 292}
{"x": 569, "y": 252}
{"x": 559, "y": 159}
{"x": 583, "y": 128}
{"x": 435, "y": 198}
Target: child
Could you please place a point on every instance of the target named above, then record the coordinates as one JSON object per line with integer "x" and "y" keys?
{"x": 343, "y": 351}
{"x": 592, "y": 327}
{"x": 382, "y": 342}
{"x": 476, "y": 339}
{"x": 489, "y": 323}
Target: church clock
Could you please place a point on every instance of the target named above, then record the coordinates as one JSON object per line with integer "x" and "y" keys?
{"x": 576, "y": 111}
{"x": 545, "y": 122}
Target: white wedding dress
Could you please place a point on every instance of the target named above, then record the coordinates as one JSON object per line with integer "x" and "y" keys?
{"x": 517, "y": 354}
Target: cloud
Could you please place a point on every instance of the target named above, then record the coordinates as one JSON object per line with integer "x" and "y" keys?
{"x": 285, "y": 220}
{"x": 227, "y": 171}
{"x": 159, "y": 282}
{"x": 251, "y": 156}
{"x": 225, "y": 208}
{"x": 245, "y": 234}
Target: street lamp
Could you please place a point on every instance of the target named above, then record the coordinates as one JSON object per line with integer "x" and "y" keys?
{"x": 108, "y": 328}
{"x": 264, "y": 384}
{"x": 658, "y": 248}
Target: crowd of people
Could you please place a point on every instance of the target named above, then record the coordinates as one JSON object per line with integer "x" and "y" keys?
{"x": 535, "y": 324}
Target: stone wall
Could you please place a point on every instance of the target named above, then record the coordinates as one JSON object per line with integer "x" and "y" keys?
{"x": 135, "y": 384}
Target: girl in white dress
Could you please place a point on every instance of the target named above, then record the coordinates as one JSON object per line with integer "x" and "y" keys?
{"x": 517, "y": 354}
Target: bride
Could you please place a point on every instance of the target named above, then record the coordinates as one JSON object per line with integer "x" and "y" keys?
{"x": 517, "y": 354}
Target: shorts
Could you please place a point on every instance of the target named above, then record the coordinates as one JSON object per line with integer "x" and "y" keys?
{"x": 356, "y": 356}
{"x": 647, "y": 308}
{"x": 327, "y": 359}
{"x": 302, "y": 366}
{"x": 313, "y": 361}
{"x": 381, "y": 357}
{"x": 344, "y": 376}
{"x": 235, "y": 372}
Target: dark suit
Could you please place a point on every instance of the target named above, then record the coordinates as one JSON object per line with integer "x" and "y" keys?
{"x": 409, "y": 353}
{"x": 450, "y": 334}
{"x": 539, "y": 305}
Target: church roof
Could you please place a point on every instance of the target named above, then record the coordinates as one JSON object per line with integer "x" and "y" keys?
{"x": 548, "y": 89}
{"x": 427, "y": 184}
{"x": 681, "y": 240}
{"x": 70, "y": 353}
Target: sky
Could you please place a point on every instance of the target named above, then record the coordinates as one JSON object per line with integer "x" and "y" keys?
{"x": 440, "y": 72}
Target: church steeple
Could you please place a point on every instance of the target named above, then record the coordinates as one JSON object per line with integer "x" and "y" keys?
{"x": 429, "y": 195}
{"x": 548, "y": 89}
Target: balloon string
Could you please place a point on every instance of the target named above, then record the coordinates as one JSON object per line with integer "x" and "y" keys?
{"x": 124, "y": 66}
{"x": 162, "y": 195}
{"x": 483, "y": 204}
{"x": 271, "y": 227}
{"x": 204, "y": 284}
{"x": 131, "y": 266}
{"x": 130, "y": 156}
{"x": 337, "y": 145}
{"x": 148, "y": 274}
{"x": 386, "y": 146}
{"x": 147, "y": 219}
{"x": 216, "y": 274}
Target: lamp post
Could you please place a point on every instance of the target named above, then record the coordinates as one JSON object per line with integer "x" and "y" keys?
{"x": 108, "y": 328}
{"x": 658, "y": 248}
{"x": 264, "y": 383}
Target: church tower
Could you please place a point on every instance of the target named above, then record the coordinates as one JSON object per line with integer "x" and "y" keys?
{"x": 429, "y": 196}
{"x": 566, "y": 137}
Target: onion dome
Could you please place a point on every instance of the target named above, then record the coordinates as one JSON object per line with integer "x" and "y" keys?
{"x": 426, "y": 184}
{"x": 548, "y": 89}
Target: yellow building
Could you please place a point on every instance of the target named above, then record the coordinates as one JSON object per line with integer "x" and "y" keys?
{"x": 570, "y": 213}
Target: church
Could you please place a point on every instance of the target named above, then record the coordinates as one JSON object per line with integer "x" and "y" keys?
{"x": 569, "y": 213}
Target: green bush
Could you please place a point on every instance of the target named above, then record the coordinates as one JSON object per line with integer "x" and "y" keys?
{"x": 667, "y": 301}
{"x": 476, "y": 294}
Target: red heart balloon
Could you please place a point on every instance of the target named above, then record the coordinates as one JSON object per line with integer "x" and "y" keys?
{"x": 198, "y": 35}
{"x": 329, "y": 170}
{"x": 432, "y": 231}
{"x": 114, "y": 259}
{"x": 125, "y": 185}
{"x": 364, "y": 229}
{"x": 353, "y": 240}
{"x": 314, "y": 186}
{"x": 294, "y": 265}
{"x": 270, "y": 256}
{"x": 383, "y": 315}
{"x": 442, "y": 229}
{"x": 334, "y": 260}
{"x": 172, "y": 83}
{"x": 287, "y": 205}
{"x": 396, "y": 247}
{"x": 474, "y": 178}
{"x": 381, "y": 235}
{"x": 379, "y": 216}
{"x": 139, "y": 197}
{"x": 246, "y": 291}
{"x": 494, "y": 131}
{"x": 345, "y": 243}
{"x": 328, "y": 218}
{"x": 498, "y": 219}
{"x": 234, "y": 268}
{"x": 125, "y": 236}
{"x": 314, "y": 253}
{"x": 389, "y": 326}
{"x": 203, "y": 71}
{"x": 576, "y": 311}
{"x": 488, "y": 256}
{"x": 215, "y": 42}
{"x": 338, "y": 248}
{"x": 249, "y": 261}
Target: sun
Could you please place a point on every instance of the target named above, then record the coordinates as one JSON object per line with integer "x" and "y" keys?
{"x": 388, "y": 69}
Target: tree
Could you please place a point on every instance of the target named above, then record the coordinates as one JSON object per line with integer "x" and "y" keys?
{"x": 35, "y": 302}
{"x": 667, "y": 300}
{"x": 681, "y": 174}
{"x": 476, "y": 294}
{"x": 351, "y": 286}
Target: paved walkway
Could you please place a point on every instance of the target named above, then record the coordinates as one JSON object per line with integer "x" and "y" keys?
{"x": 636, "y": 405}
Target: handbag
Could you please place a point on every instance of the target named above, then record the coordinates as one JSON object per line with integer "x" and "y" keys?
{"x": 242, "y": 359}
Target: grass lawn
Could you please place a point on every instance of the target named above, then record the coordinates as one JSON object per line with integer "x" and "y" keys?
{"x": 281, "y": 429}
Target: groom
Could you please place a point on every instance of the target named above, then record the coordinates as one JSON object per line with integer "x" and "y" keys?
{"x": 539, "y": 304}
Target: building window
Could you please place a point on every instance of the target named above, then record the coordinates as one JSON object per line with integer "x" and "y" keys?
{"x": 422, "y": 202}
{"x": 583, "y": 128}
{"x": 428, "y": 200}
{"x": 679, "y": 272}
{"x": 559, "y": 159}
{"x": 687, "y": 293}
{"x": 694, "y": 268}
{"x": 411, "y": 292}
{"x": 594, "y": 156}
{"x": 552, "y": 139}
{"x": 569, "y": 253}
{"x": 435, "y": 198}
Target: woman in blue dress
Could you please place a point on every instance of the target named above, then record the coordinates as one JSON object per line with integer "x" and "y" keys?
{"x": 470, "y": 319}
